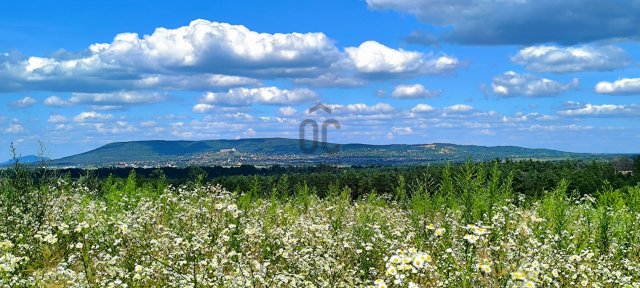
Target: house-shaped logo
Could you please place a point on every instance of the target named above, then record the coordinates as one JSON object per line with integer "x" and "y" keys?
{"x": 313, "y": 147}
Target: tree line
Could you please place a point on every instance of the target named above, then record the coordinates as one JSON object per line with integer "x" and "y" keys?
{"x": 529, "y": 177}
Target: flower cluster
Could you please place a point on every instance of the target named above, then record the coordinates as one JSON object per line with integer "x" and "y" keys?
{"x": 403, "y": 266}
{"x": 209, "y": 237}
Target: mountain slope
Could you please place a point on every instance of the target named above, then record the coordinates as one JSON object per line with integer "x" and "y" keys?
{"x": 154, "y": 149}
{"x": 25, "y": 160}
{"x": 287, "y": 151}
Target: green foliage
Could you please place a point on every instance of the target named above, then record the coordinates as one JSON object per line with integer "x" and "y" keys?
{"x": 401, "y": 192}
{"x": 353, "y": 219}
{"x": 555, "y": 208}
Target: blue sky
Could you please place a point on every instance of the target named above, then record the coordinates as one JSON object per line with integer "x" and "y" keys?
{"x": 551, "y": 74}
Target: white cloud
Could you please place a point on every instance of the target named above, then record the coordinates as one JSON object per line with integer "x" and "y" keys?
{"x": 14, "y": 128}
{"x": 413, "y": 92}
{"x": 55, "y": 101}
{"x": 267, "y": 119}
{"x": 372, "y": 57}
{"x": 262, "y": 95}
{"x": 203, "y": 108}
{"x": 57, "y": 118}
{"x": 361, "y": 108}
{"x": 572, "y": 59}
{"x": 238, "y": 116}
{"x": 553, "y": 128}
{"x": 476, "y": 125}
{"x": 203, "y": 42}
{"x": 116, "y": 98}
{"x": 331, "y": 80}
{"x": 546, "y": 118}
{"x": 515, "y": 119}
{"x": 91, "y": 116}
{"x": 203, "y": 81}
{"x": 207, "y": 129}
{"x": 287, "y": 111}
{"x": 401, "y": 130}
{"x": 577, "y": 109}
{"x": 208, "y": 56}
{"x": 24, "y": 102}
{"x": 422, "y": 108}
{"x": 220, "y": 54}
{"x": 149, "y": 123}
{"x": 625, "y": 86}
{"x": 513, "y": 84}
{"x": 117, "y": 127}
{"x": 107, "y": 101}
{"x": 458, "y": 108}
{"x": 63, "y": 126}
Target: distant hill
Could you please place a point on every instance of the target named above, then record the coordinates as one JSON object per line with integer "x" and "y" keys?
{"x": 271, "y": 151}
{"x": 25, "y": 160}
{"x": 155, "y": 149}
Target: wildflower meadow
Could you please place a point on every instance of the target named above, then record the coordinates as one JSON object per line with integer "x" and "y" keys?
{"x": 473, "y": 231}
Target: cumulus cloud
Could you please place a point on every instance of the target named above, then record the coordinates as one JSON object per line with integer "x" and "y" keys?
{"x": 124, "y": 98}
{"x": 117, "y": 127}
{"x": 24, "y": 102}
{"x": 191, "y": 82}
{"x": 91, "y": 116}
{"x": 117, "y": 98}
{"x": 238, "y": 116}
{"x": 422, "y": 108}
{"x": 523, "y": 22}
{"x": 571, "y": 59}
{"x": 413, "y": 92}
{"x": 458, "y": 108}
{"x": 57, "y": 118}
{"x": 55, "y": 101}
{"x": 218, "y": 51}
{"x": 575, "y": 109}
{"x": 519, "y": 117}
{"x": 361, "y": 108}
{"x": 107, "y": 100}
{"x": 287, "y": 111}
{"x": 208, "y": 56}
{"x": 514, "y": 84}
{"x": 202, "y": 108}
{"x": 262, "y": 95}
{"x": 625, "y": 86}
{"x": 14, "y": 128}
{"x": 208, "y": 45}
{"x": 372, "y": 57}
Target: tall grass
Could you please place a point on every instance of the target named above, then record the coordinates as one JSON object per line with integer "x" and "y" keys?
{"x": 465, "y": 229}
